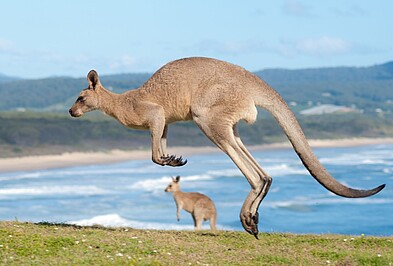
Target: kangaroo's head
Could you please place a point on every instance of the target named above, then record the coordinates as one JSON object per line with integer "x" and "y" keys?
{"x": 88, "y": 99}
{"x": 174, "y": 185}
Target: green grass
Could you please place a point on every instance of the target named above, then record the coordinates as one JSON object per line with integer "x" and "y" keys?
{"x": 51, "y": 244}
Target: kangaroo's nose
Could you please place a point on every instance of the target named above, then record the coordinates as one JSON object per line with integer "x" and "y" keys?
{"x": 70, "y": 111}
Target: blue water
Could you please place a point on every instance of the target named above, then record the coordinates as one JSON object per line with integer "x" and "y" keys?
{"x": 132, "y": 193}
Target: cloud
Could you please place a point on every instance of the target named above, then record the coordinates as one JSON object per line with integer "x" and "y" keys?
{"x": 43, "y": 62}
{"x": 296, "y": 8}
{"x": 7, "y": 47}
{"x": 123, "y": 63}
{"x": 317, "y": 47}
{"x": 4, "y": 44}
{"x": 353, "y": 10}
{"x": 323, "y": 46}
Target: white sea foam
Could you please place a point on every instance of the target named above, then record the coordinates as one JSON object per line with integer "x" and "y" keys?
{"x": 373, "y": 161}
{"x": 305, "y": 201}
{"x": 302, "y": 204}
{"x": 225, "y": 172}
{"x": 387, "y": 170}
{"x": 151, "y": 185}
{"x": 52, "y": 190}
{"x": 108, "y": 171}
{"x": 197, "y": 177}
{"x": 115, "y": 220}
{"x": 277, "y": 160}
{"x": 285, "y": 169}
{"x": 83, "y": 171}
{"x": 281, "y": 169}
{"x": 359, "y": 158}
{"x": 20, "y": 176}
{"x": 157, "y": 185}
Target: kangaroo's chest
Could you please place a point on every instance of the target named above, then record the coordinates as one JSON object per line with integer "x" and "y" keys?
{"x": 187, "y": 202}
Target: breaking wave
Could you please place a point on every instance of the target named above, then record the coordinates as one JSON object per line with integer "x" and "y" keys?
{"x": 305, "y": 201}
{"x": 52, "y": 190}
{"x": 115, "y": 220}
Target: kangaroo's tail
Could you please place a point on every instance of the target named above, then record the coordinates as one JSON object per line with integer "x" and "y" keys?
{"x": 213, "y": 215}
{"x": 273, "y": 103}
{"x": 213, "y": 221}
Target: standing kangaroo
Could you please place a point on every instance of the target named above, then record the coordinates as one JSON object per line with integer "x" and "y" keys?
{"x": 216, "y": 95}
{"x": 200, "y": 206}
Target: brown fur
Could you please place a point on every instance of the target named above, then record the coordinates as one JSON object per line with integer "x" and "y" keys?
{"x": 200, "y": 206}
{"x": 215, "y": 95}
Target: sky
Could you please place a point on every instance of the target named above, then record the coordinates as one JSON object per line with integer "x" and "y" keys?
{"x": 68, "y": 38}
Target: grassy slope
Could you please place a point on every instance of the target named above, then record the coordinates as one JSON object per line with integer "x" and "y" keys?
{"x": 42, "y": 244}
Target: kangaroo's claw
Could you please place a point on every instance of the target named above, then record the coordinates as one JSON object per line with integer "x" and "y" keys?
{"x": 179, "y": 161}
{"x": 171, "y": 160}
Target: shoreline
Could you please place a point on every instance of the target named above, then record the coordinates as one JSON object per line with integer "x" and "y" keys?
{"x": 43, "y": 162}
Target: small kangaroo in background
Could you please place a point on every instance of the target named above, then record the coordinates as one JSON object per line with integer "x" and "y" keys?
{"x": 216, "y": 95}
{"x": 200, "y": 206}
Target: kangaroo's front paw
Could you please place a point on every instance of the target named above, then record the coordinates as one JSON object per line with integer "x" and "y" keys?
{"x": 171, "y": 160}
{"x": 250, "y": 223}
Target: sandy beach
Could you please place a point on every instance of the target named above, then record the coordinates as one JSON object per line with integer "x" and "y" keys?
{"x": 42, "y": 162}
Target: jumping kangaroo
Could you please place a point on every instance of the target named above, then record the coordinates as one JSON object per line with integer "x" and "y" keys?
{"x": 216, "y": 95}
{"x": 200, "y": 206}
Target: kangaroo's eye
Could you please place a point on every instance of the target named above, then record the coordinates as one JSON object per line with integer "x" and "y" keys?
{"x": 170, "y": 185}
{"x": 80, "y": 99}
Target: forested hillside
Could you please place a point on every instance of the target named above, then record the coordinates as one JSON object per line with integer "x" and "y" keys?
{"x": 4, "y": 78}
{"x": 365, "y": 88}
{"x": 58, "y": 92}
{"x": 34, "y": 117}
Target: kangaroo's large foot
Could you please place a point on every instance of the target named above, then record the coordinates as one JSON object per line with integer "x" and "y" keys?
{"x": 172, "y": 160}
{"x": 250, "y": 222}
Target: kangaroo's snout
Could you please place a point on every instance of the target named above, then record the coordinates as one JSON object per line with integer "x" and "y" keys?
{"x": 76, "y": 113}
{"x": 72, "y": 113}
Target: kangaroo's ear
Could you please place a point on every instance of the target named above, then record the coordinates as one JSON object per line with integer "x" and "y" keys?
{"x": 174, "y": 180}
{"x": 93, "y": 79}
{"x": 177, "y": 179}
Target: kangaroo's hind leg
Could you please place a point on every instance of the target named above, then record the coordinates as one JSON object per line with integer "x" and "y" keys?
{"x": 199, "y": 213}
{"x": 267, "y": 178}
{"x": 222, "y": 134}
{"x": 198, "y": 218}
{"x": 195, "y": 220}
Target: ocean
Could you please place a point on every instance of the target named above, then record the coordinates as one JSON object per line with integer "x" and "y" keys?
{"x": 132, "y": 193}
